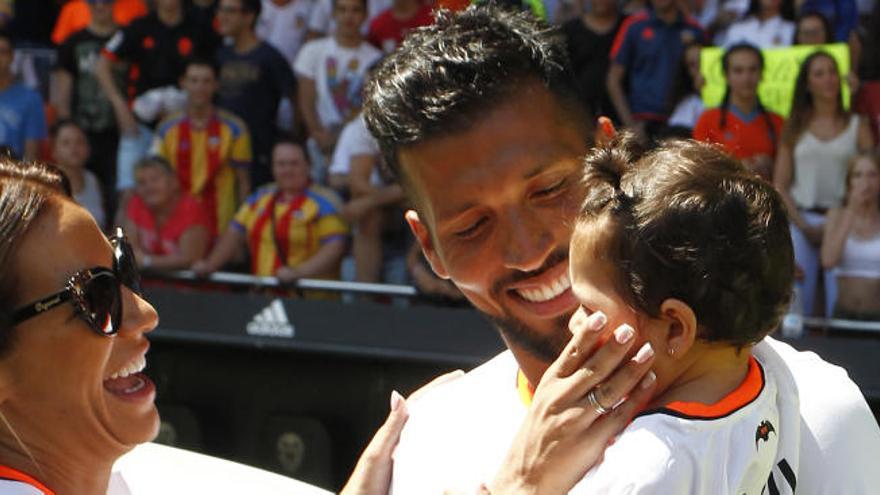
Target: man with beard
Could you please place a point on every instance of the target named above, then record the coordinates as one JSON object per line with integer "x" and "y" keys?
{"x": 478, "y": 118}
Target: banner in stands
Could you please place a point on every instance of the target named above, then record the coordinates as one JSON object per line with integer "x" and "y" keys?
{"x": 781, "y": 66}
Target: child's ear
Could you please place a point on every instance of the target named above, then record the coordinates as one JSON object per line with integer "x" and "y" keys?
{"x": 681, "y": 326}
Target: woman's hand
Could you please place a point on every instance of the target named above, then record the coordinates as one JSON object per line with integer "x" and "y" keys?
{"x": 564, "y": 433}
{"x": 372, "y": 474}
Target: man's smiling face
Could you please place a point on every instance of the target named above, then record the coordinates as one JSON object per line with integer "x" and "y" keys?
{"x": 496, "y": 204}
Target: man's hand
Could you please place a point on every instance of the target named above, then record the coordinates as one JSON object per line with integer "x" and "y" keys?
{"x": 287, "y": 275}
{"x": 201, "y": 268}
{"x": 125, "y": 120}
{"x": 564, "y": 434}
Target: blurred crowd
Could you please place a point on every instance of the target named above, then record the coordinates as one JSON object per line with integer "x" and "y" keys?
{"x": 226, "y": 134}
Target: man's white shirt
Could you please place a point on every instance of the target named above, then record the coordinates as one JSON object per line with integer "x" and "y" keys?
{"x": 458, "y": 434}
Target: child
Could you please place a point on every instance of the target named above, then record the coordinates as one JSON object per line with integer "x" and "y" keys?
{"x": 693, "y": 251}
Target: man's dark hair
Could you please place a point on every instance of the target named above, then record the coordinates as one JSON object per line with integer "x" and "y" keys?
{"x": 690, "y": 222}
{"x": 444, "y": 77}
{"x": 363, "y": 3}
{"x": 290, "y": 140}
{"x": 252, "y": 7}
{"x": 200, "y": 61}
{"x": 826, "y": 25}
{"x": 155, "y": 161}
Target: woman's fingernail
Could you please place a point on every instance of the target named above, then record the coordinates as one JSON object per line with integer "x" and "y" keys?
{"x": 598, "y": 321}
{"x": 648, "y": 380}
{"x": 624, "y": 333}
{"x": 644, "y": 353}
{"x": 578, "y": 321}
{"x": 396, "y": 400}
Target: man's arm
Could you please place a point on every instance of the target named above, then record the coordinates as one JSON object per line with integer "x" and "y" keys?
{"x": 34, "y": 121}
{"x": 63, "y": 92}
{"x": 193, "y": 243}
{"x": 243, "y": 183}
{"x": 614, "y": 84}
{"x": 308, "y": 97}
{"x": 327, "y": 257}
{"x": 225, "y": 250}
{"x": 104, "y": 74}
{"x": 365, "y": 195}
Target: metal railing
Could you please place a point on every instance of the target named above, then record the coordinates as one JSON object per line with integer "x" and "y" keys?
{"x": 245, "y": 280}
{"x": 242, "y": 279}
{"x": 838, "y": 324}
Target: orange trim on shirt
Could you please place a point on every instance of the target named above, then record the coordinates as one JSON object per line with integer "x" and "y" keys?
{"x": 747, "y": 391}
{"x": 525, "y": 389}
{"x": 8, "y": 473}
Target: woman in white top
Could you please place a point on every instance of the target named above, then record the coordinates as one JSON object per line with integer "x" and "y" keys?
{"x": 768, "y": 24}
{"x": 851, "y": 244}
{"x": 818, "y": 141}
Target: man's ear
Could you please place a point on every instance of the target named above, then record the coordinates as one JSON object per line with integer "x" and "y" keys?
{"x": 681, "y": 324}
{"x": 420, "y": 230}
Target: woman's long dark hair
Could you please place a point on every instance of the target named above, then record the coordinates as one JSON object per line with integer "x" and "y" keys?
{"x": 786, "y": 10}
{"x": 683, "y": 85}
{"x": 25, "y": 190}
{"x": 725, "y": 103}
{"x": 802, "y": 102}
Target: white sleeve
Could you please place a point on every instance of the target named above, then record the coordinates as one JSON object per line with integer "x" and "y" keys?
{"x": 306, "y": 63}
{"x": 735, "y": 33}
{"x": 362, "y": 142}
{"x": 319, "y": 19}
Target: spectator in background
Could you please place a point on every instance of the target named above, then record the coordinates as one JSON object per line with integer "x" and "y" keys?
{"x": 331, "y": 75}
{"x": 589, "y": 39}
{"x": 158, "y": 44}
{"x": 391, "y": 26}
{"x": 292, "y": 228}
{"x": 284, "y": 24}
{"x": 644, "y": 59}
{"x": 741, "y": 124}
{"x": 204, "y": 15}
{"x": 374, "y": 200}
{"x": 427, "y": 282}
{"x": 76, "y": 15}
{"x": 842, "y": 14}
{"x": 22, "y": 121}
{"x": 851, "y": 242}
{"x": 768, "y": 24}
{"x": 322, "y": 22}
{"x": 79, "y": 96}
{"x": 687, "y": 104}
{"x": 254, "y": 77}
{"x": 818, "y": 140}
{"x": 32, "y": 21}
{"x": 812, "y": 29}
{"x": 867, "y": 100}
{"x": 70, "y": 152}
{"x": 168, "y": 229}
{"x": 209, "y": 148}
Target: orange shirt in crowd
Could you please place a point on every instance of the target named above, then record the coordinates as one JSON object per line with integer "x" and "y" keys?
{"x": 75, "y": 15}
{"x": 742, "y": 136}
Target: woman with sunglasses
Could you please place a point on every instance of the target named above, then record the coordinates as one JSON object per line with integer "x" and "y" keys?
{"x": 72, "y": 395}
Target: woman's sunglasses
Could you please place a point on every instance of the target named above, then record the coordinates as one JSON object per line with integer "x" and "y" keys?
{"x": 96, "y": 293}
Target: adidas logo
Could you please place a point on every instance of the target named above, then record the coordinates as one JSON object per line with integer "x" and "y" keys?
{"x": 271, "y": 322}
